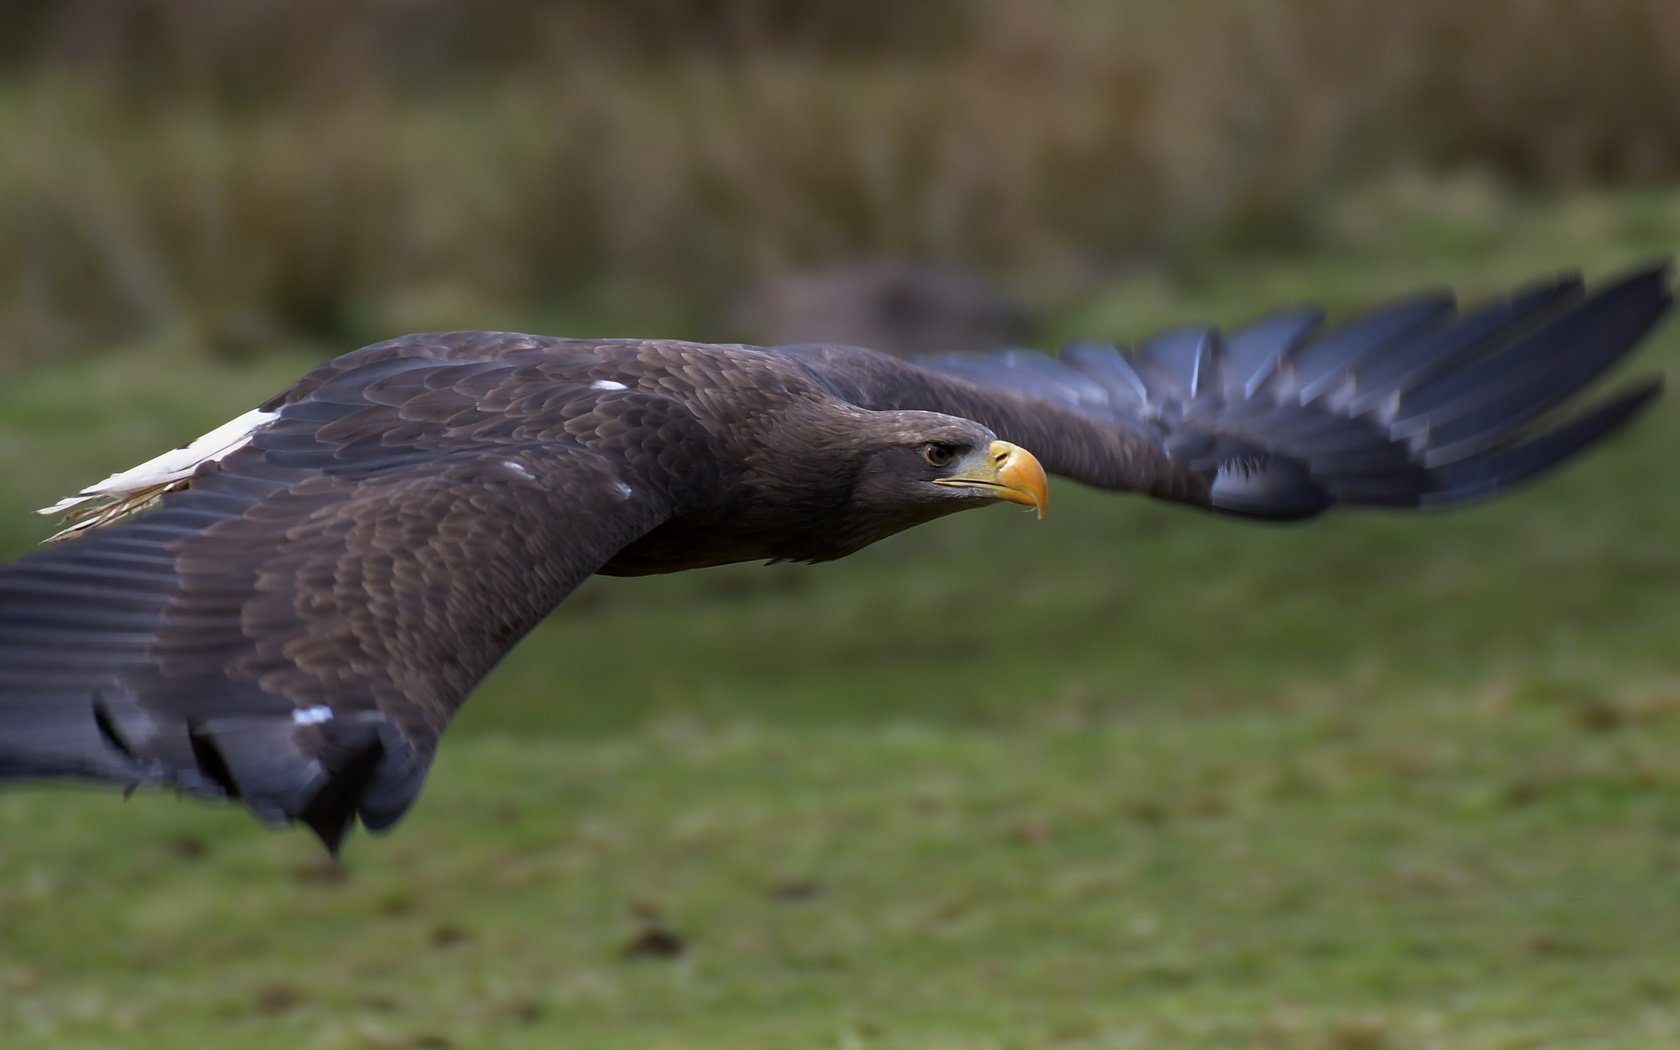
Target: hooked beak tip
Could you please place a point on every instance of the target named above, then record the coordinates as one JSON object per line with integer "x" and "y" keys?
{"x": 1020, "y": 475}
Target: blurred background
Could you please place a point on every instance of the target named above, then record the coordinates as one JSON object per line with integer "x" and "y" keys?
{"x": 250, "y": 173}
{"x": 1377, "y": 782}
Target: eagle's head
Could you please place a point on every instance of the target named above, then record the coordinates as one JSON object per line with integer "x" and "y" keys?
{"x": 831, "y": 479}
{"x": 906, "y": 468}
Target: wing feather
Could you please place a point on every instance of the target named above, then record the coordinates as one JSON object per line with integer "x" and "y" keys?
{"x": 296, "y": 628}
{"x": 1414, "y": 404}
{"x": 1253, "y": 351}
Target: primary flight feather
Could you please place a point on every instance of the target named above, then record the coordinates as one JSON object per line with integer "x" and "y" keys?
{"x": 307, "y": 593}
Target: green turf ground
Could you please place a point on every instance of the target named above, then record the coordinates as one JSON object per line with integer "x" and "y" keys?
{"x": 1127, "y": 777}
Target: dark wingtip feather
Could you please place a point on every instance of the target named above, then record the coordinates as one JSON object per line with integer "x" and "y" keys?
{"x": 395, "y": 785}
{"x": 1496, "y": 472}
{"x": 1486, "y": 390}
{"x": 212, "y": 763}
{"x": 331, "y": 812}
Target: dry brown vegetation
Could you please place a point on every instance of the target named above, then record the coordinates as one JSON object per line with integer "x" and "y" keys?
{"x": 276, "y": 168}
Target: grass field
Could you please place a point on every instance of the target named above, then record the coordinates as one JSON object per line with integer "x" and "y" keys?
{"x": 1124, "y": 778}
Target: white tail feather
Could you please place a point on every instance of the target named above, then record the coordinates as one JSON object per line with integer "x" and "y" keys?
{"x": 138, "y": 487}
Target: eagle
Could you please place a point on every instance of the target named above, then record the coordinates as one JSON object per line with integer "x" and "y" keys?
{"x": 288, "y": 610}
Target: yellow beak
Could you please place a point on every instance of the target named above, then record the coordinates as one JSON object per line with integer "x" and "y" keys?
{"x": 1006, "y": 472}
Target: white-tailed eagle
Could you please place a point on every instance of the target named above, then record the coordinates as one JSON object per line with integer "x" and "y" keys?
{"x": 309, "y": 592}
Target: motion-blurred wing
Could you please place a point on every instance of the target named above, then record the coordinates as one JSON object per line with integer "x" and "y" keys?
{"x": 1415, "y": 404}
{"x": 296, "y": 628}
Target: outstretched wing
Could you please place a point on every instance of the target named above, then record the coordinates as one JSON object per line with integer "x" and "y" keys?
{"x": 1416, "y": 404}
{"x": 296, "y": 627}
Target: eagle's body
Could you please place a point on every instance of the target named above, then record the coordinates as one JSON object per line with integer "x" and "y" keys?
{"x": 325, "y": 579}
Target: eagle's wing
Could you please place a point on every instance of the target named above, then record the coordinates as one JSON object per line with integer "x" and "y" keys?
{"x": 1415, "y": 404}
{"x": 296, "y": 628}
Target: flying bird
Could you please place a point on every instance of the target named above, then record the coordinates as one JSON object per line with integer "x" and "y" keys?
{"x": 288, "y": 610}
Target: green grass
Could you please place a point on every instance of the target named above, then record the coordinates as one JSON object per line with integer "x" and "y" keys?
{"x": 1439, "y": 873}
{"x": 1128, "y": 777}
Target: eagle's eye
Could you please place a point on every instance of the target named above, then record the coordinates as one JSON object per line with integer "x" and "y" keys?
{"x": 938, "y": 454}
